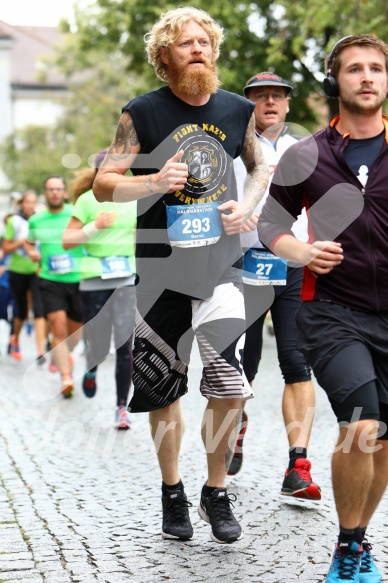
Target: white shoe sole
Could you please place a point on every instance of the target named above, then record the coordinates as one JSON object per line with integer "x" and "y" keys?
{"x": 202, "y": 513}
{"x": 173, "y": 537}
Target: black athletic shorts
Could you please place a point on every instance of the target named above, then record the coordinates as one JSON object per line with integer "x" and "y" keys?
{"x": 363, "y": 403}
{"x": 20, "y": 283}
{"x": 61, "y": 296}
{"x": 347, "y": 349}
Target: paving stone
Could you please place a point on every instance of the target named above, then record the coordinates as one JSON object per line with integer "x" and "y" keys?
{"x": 80, "y": 502}
{"x": 21, "y": 564}
{"x": 31, "y": 576}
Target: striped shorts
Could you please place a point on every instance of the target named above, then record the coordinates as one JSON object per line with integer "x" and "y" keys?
{"x": 164, "y": 334}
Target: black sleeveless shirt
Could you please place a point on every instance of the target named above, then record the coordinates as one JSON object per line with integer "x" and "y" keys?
{"x": 216, "y": 131}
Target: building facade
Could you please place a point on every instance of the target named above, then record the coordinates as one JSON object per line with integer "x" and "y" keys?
{"x": 26, "y": 99}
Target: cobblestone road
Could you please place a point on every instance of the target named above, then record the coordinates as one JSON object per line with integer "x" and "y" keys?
{"x": 80, "y": 502}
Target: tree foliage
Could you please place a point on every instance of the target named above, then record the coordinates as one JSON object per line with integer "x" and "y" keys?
{"x": 289, "y": 37}
{"x": 312, "y": 28}
{"x": 30, "y": 155}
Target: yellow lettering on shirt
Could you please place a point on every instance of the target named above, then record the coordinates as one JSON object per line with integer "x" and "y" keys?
{"x": 184, "y": 131}
{"x": 182, "y": 197}
{"x": 214, "y": 130}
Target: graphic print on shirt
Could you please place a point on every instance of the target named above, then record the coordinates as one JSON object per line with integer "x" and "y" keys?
{"x": 363, "y": 172}
{"x": 197, "y": 222}
{"x": 207, "y": 163}
{"x": 361, "y": 154}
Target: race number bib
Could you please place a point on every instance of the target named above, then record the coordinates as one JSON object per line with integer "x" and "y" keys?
{"x": 58, "y": 264}
{"x": 22, "y": 252}
{"x": 115, "y": 267}
{"x": 193, "y": 225}
{"x": 263, "y": 268}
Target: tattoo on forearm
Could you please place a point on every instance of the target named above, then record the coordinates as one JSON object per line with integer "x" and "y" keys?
{"x": 248, "y": 149}
{"x": 256, "y": 181}
{"x": 125, "y": 138}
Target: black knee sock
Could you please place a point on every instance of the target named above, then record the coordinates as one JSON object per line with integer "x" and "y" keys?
{"x": 296, "y": 453}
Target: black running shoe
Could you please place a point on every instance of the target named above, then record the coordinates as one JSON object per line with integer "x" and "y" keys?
{"x": 176, "y": 519}
{"x": 215, "y": 510}
{"x": 237, "y": 459}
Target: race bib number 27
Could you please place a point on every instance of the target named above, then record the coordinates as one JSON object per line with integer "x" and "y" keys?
{"x": 263, "y": 268}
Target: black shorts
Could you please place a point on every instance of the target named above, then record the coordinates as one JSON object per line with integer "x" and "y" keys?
{"x": 346, "y": 348}
{"x": 7, "y": 305}
{"x": 20, "y": 283}
{"x": 58, "y": 296}
{"x": 363, "y": 403}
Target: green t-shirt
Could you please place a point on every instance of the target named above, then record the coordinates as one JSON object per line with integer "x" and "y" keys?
{"x": 57, "y": 264}
{"x": 110, "y": 252}
{"x": 16, "y": 230}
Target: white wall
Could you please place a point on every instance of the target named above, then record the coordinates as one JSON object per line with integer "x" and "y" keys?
{"x": 5, "y": 89}
{"x": 43, "y": 110}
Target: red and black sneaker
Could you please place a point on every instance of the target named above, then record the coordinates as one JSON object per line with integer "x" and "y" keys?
{"x": 299, "y": 483}
{"x": 237, "y": 459}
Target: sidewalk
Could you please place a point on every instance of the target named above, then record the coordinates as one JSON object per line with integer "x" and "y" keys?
{"x": 80, "y": 502}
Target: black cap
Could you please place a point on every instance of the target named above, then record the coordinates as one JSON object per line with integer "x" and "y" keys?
{"x": 266, "y": 79}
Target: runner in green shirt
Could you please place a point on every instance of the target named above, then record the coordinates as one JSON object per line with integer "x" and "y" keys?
{"x": 59, "y": 276}
{"x": 107, "y": 232}
{"x": 23, "y": 277}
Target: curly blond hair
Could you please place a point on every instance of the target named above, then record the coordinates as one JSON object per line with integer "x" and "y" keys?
{"x": 169, "y": 27}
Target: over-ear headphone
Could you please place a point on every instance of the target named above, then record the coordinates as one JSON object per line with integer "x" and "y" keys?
{"x": 330, "y": 85}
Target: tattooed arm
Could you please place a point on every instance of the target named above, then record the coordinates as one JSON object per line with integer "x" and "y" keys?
{"x": 255, "y": 185}
{"x": 111, "y": 184}
{"x": 256, "y": 181}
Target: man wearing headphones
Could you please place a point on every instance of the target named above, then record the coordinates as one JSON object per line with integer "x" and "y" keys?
{"x": 270, "y": 284}
{"x": 340, "y": 175}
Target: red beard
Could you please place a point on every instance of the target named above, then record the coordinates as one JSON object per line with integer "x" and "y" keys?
{"x": 199, "y": 81}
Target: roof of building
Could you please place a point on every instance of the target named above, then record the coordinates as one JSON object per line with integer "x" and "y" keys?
{"x": 27, "y": 45}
